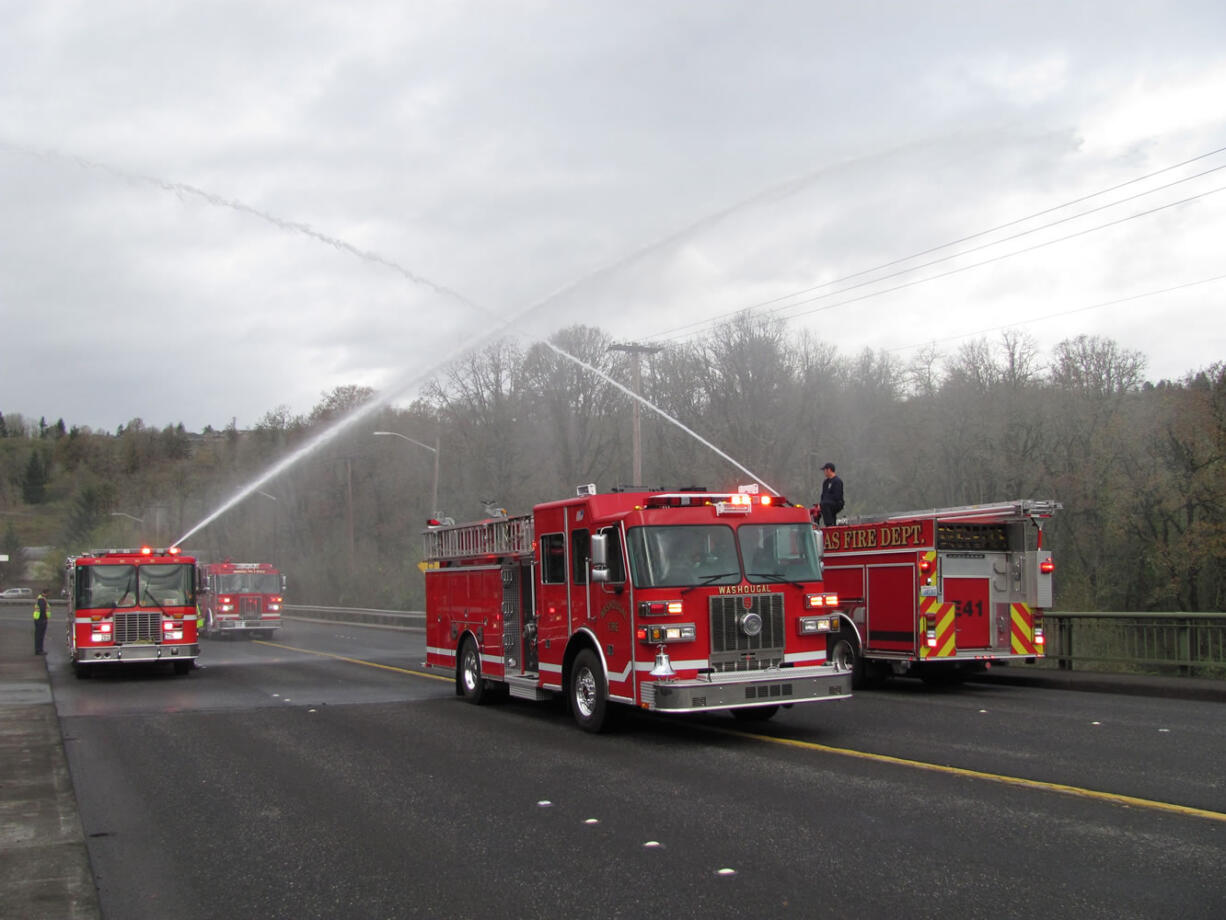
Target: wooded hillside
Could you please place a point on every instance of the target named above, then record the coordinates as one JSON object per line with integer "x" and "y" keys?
{"x": 1138, "y": 465}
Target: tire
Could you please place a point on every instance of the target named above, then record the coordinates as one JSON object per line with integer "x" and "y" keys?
{"x": 588, "y": 692}
{"x": 82, "y": 671}
{"x": 183, "y": 666}
{"x": 755, "y": 714}
{"x": 844, "y": 652}
{"x": 469, "y": 682}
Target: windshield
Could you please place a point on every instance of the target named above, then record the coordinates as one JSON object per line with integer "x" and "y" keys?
{"x": 249, "y": 583}
{"x": 118, "y": 586}
{"x": 106, "y": 586}
{"x": 166, "y": 585}
{"x": 680, "y": 556}
{"x": 779, "y": 552}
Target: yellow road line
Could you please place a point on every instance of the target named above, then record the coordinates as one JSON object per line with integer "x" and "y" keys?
{"x": 1019, "y": 781}
{"x": 369, "y": 664}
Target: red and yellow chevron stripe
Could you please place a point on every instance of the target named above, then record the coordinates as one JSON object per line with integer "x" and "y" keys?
{"x": 1021, "y": 630}
{"x": 939, "y": 616}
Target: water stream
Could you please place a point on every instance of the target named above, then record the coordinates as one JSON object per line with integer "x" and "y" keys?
{"x": 505, "y": 322}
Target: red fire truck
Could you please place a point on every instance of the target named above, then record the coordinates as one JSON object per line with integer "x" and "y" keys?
{"x": 940, "y": 593}
{"x": 131, "y": 605}
{"x": 675, "y": 602}
{"x": 241, "y": 598}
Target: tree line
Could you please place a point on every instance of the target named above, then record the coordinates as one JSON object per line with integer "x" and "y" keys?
{"x": 1137, "y": 465}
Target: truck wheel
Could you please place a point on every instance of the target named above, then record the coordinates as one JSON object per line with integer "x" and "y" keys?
{"x": 183, "y": 667}
{"x": 471, "y": 683}
{"x": 844, "y": 653}
{"x": 82, "y": 670}
{"x": 755, "y": 714}
{"x": 589, "y": 697}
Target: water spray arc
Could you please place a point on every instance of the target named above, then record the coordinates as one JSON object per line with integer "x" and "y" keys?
{"x": 505, "y": 324}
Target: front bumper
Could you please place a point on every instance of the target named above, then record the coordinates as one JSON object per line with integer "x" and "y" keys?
{"x": 747, "y": 689}
{"x": 246, "y": 625}
{"x": 115, "y": 654}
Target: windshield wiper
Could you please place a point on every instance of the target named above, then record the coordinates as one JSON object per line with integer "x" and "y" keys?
{"x": 777, "y": 578}
{"x": 707, "y": 579}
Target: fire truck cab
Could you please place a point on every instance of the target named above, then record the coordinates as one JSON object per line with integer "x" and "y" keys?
{"x": 675, "y": 602}
{"x": 240, "y": 598}
{"x": 131, "y": 605}
{"x": 940, "y": 593}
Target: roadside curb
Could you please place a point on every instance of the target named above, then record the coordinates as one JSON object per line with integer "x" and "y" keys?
{"x": 44, "y": 864}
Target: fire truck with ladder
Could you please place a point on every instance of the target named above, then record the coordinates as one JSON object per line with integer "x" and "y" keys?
{"x": 941, "y": 593}
{"x": 239, "y": 598}
{"x": 131, "y": 606}
{"x": 675, "y": 602}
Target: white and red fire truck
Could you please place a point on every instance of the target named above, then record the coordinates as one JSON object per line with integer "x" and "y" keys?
{"x": 131, "y": 605}
{"x": 241, "y": 598}
{"x": 674, "y": 602}
{"x": 940, "y": 593}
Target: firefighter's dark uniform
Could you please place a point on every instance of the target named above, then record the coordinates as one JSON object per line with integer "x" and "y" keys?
{"x": 41, "y": 613}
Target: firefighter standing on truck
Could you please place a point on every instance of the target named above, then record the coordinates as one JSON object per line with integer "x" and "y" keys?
{"x": 832, "y": 495}
{"x": 40, "y": 622}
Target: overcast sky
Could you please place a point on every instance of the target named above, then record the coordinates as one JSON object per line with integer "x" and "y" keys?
{"x": 209, "y": 210}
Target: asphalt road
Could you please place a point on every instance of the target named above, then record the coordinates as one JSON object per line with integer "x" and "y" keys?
{"x": 322, "y": 775}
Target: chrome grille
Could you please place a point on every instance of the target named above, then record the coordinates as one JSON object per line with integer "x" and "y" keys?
{"x": 249, "y": 606}
{"x": 734, "y": 650}
{"x": 138, "y": 626}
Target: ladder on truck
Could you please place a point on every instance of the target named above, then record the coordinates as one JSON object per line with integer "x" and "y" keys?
{"x": 1032, "y": 508}
{"x": 493, "y": 537}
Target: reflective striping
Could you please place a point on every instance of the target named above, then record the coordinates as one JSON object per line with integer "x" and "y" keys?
{"x": 1021, "y": 630}
{"x": 1019, "y": 781}
{"x": 941, "y": 616}
{"x": 696, "y": 664}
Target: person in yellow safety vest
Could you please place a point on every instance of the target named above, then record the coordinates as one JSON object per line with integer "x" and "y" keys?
{"x": 199, "y": 621}
{"x": 41, "y": 613}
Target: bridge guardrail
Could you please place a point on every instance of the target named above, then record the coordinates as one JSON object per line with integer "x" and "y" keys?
{"x": 402, "y": 619}
{"x": 1187, "y": 644}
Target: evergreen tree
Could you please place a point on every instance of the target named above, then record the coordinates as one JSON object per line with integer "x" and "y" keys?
{"x": 34, "y": 488}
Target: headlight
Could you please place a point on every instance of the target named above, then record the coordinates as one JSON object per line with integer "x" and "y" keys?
{"x": 810, "y": 626}
{"x": 667, "y": 632}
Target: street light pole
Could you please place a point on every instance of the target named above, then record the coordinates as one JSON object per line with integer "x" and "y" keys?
{"x": 434, "y": 449}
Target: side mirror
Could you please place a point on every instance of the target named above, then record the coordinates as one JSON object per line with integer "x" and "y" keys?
{"x": 600, "y": 558}
{"x": 600, "y": 549}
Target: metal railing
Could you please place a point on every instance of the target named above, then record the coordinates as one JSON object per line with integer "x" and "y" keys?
{"x": 402, "y": 619}
{"x": 1188, "y": 644}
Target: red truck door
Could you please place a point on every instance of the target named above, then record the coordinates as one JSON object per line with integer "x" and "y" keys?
{"x": 972, "y": 611}
{"x": 891, "y": 607}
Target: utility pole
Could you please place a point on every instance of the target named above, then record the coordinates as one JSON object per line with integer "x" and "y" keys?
{"x": 638, "y": 351}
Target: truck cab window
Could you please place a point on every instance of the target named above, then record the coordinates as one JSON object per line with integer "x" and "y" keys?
{"x": 553, "y": 559}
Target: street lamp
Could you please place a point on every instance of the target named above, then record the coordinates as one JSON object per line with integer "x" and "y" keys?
{"x": 434, "y": 450}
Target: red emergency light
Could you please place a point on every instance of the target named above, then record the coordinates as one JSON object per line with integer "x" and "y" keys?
{"x": 1047, "y": 566}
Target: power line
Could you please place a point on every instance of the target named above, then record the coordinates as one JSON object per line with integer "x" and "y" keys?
{"x": 1007, "y": 255}
{"x": 1039, "y": 319}
{"x": 680, "y": 331}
